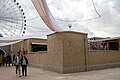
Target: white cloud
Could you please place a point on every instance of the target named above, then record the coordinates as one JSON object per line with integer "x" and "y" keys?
{"x": 71, "y": 9}
{"x": 107, "y": 25}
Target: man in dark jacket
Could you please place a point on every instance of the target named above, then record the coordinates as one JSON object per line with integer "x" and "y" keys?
{"x": 18, "y": 64}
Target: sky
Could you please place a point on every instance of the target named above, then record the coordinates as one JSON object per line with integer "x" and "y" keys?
{"x": 78, "y": 13}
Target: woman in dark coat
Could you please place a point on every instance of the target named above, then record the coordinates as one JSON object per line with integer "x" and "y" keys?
{"x": 24, "y": 63}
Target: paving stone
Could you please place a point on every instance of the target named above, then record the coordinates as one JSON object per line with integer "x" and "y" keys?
{"x": 8, "y": 73}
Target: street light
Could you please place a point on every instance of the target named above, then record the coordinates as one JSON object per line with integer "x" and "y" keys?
{"x": 70, "y": 26}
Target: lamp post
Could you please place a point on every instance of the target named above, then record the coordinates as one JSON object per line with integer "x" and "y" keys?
{"x": 70, "y": 26}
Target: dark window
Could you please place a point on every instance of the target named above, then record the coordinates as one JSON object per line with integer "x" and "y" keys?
{"x": 39, "y": 47}
{"x": 113, "y": 46}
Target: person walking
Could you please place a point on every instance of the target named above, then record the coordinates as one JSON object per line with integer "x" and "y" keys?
{"x": 18, "y": 64}
{"x": 0, "y": 59}
{"x": 8, "y": 59}
{"x": 13, "y": 63}
{"x": 24, "y": 63}
{"x": 3, "y": 61}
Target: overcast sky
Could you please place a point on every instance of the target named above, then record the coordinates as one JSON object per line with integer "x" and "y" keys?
{"x": 107, "y": 25}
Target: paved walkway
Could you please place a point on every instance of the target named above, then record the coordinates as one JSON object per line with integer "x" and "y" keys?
{"x": 8, "y": 73}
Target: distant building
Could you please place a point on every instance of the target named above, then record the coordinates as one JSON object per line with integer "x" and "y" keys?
{"x": 97, "y": 38}
{"x": 1, "y": 35}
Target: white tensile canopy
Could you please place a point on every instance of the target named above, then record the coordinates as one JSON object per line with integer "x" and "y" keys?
{"x": 4, "y": 41}
{"x": 45, "y": 14}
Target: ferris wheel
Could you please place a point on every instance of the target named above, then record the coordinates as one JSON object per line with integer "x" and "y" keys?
{"x": 12, "y": 18}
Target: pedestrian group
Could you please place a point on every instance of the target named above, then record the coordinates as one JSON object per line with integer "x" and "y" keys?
{"x": 19, "y": 60}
